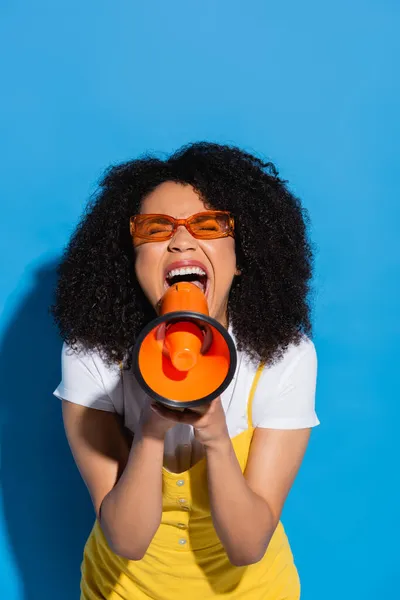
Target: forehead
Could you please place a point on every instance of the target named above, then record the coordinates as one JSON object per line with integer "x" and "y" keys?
{"x": 175, "y": 199}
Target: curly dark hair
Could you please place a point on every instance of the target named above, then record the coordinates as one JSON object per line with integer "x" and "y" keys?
{"x": 99, "y": 304}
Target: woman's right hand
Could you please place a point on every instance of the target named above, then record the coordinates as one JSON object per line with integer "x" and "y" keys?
{"x": 155, "y": 423}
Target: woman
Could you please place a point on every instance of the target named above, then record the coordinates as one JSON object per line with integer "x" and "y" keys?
{"x": 189, "y": 504}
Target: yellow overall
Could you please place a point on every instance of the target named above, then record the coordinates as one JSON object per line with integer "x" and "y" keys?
{"x": 185, "y": 559}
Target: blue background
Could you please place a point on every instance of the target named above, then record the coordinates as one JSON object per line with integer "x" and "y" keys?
{"x": 313, "y": 87}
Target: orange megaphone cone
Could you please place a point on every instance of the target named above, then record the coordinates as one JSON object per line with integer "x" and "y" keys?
{"x": 184, "y": 358}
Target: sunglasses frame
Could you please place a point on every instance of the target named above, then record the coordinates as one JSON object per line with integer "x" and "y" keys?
{"x": 182, "y": 222}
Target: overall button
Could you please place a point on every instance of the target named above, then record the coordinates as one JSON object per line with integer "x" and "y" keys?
{"x": 182, "y": 541}
{"x": 180, "y": 482}
{"x": 182, "y": 502}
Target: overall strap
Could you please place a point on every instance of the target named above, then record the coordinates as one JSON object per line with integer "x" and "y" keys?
{"x": 252, "y": 394}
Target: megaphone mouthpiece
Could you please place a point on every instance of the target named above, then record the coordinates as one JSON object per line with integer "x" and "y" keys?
{"x": 184, "y": 358}
{"x": 183, "y": 296}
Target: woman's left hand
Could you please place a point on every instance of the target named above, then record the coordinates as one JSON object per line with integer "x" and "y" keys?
{"x": 209, "y": 421}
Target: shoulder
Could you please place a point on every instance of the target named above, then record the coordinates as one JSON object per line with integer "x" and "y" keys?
{"x": 91, "y": 360}
{"x": 86, "y": 378}
{"x": 273, "y": 375}
{"x": 285, "y": 394}
{"x": 303, "y": 353}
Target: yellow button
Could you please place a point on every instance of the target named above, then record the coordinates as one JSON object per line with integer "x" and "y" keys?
{"x": 182, "y": 500}
{"x": 180, "y": 482}
{"x": 182, "y": 542}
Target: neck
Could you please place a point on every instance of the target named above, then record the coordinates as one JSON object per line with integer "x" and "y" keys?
{"x": 223, "y": 319}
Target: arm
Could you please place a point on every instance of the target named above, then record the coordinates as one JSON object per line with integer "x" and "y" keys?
{"x": 246, "y": 524}
{"x": 124, "y": 483}
{"x": 246, "y": 509}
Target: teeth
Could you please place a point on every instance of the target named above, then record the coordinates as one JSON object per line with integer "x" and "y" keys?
{"x": 186, "y": 271}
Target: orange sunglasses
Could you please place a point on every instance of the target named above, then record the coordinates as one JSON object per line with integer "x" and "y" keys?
{"x": 207, "y": 225}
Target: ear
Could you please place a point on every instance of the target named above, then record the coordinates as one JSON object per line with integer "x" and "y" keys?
{"x": 238, "y": 271}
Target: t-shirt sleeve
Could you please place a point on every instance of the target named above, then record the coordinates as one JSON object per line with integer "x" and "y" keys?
{"x": 81, "y": 381}
{"x": 289, "y": 402}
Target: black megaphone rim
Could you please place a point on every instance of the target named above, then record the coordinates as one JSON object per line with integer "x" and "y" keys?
{"x": 189, "y": 316}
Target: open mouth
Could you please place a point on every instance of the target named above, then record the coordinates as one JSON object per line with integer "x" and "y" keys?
{"x": 195, "y": 275}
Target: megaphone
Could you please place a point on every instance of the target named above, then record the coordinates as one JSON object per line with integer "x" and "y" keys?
{"x": 184, "y": 358}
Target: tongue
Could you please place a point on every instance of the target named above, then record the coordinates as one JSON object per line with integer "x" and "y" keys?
{"x": 199, "y": 285}
{"x": 199, "y": 281}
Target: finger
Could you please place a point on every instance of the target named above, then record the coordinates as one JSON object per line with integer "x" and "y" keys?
{"x": 200, "y": 410}
{"x": 216, "y": 401}
{"x": 166, "y": 413}
{"x": 192, "y": 418}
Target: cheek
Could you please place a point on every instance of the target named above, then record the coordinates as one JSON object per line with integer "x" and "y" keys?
{"x": 147, "y": 259}
{"x": 224, "y": 261}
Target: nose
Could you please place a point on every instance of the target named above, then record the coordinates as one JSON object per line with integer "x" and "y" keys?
{"x": 182, "y": 241}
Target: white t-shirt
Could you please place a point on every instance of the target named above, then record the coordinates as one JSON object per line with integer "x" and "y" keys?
{"x": 284, "y": 399}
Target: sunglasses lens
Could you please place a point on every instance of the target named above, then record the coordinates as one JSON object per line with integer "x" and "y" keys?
{"x": 210, "y": 226}
{"x": 153, "y": 227}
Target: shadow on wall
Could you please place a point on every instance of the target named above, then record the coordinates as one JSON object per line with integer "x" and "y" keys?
{"x": 47, "y": 508}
